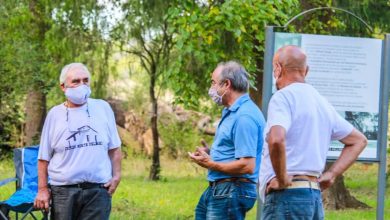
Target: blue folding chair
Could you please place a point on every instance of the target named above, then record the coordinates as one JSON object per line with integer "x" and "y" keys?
{"x": 22, "y": 201}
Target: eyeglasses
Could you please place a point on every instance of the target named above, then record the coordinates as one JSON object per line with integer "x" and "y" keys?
{"x": 67, "y": 112}
{"x": 79, "y": 81}
{"x": 84, "y": 124}
{"x": 213, "y": 83}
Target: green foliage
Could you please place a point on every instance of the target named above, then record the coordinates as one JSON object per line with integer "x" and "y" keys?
{"x": 375, "y": 13}
{"x": 38, "y": 38}
{"x": 210, "y": 33}
{"x": 180, "y": 137}
{"x": 11, "y": 118}
{"x": 336, "y": 22}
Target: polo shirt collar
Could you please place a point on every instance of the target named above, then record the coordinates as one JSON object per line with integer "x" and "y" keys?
{"x": 236, "y": 105}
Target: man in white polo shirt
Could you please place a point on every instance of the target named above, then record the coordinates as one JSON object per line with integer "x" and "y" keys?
{"x": 300, "y": 126}
{"x": 79, "y": 152}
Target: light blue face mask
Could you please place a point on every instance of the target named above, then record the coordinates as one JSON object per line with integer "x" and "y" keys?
{"x": 78, "y": 95}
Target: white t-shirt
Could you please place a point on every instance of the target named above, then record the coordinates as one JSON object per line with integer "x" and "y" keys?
{"x": 311, "y": 123}
{"x": 76, "y": 141}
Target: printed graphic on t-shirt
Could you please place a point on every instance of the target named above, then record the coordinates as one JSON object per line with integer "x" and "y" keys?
{"x": 85, "y": 133}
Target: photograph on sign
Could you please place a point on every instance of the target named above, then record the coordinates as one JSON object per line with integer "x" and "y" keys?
{"x": 346, "y": 71}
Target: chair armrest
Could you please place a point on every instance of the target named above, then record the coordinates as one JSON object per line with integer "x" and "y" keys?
{"x": 3, "y": 182}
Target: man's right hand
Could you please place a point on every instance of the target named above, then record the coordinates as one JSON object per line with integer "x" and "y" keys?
{"x": 274, "y": 184}
{"x": 42, "y": 199}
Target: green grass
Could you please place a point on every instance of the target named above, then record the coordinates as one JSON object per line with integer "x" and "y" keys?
{"x": 174, "y": 197}
{"x": 182, "y": 183}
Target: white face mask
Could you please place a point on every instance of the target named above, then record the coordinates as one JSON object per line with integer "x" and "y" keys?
{"x": 78, "y": 95}
{"x": 213, "y": 93}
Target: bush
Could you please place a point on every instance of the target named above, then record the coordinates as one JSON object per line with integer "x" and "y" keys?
{"x": 180, "y": 137}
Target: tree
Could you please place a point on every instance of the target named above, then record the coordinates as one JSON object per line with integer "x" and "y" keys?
{"x": 40, "y": 37}
{"x": 145, "y": 32}
{"x": 216, "y": 31}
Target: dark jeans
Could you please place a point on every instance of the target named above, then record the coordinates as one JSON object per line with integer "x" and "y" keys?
{"x": 227, "y": 200}
{"x": 76, "y": 203}
{"x": 302, "y": 204}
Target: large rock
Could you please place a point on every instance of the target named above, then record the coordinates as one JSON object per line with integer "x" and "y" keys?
{"x": 147, "y": 142}
{"x": 129, "y": 142}
{"x": 137, "y": 135}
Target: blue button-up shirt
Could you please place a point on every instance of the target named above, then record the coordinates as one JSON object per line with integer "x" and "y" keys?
{"x": 239, "y": 134}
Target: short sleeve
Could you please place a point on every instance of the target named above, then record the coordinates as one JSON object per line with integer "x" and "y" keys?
{"x": 45, "y": 145}
{"x": 341, "y": 127}
{"x": 114, "y": 140}
{"x": 246, "y": 137}
{"x": 279, "y": 112}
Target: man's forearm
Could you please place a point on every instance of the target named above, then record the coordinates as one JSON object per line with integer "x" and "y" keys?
{"x": 42, "y": 174}
{"x": 346, "y": 159}
{"x": 277, "y": 150}
{"x": 116, "y": 158}
{"x": 354, "y": 145}
{"x": 278, "y": 160}
{"x": 237, "y": 167}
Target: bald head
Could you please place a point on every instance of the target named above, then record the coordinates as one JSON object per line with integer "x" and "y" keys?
{"x": 291, "y": 58}
{"x": 289, "y": 65}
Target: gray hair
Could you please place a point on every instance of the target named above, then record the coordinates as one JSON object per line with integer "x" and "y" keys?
{"x": 65, "y": 70}
{"x": 237, "y": 75}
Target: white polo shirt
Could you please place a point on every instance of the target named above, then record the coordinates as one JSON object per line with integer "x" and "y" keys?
{"x": 311, "y": 123}
{"x": 76, "y": 141}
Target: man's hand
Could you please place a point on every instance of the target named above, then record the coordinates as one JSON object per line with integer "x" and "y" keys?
{"x": 326, "y": 180}
{"x": 201, "y": 158}
{"x": 354, "y": 143}
{"x": 42, "y": 199}
{"x": 274, "y": 184}
{"x": 205, "y": 148}
{"x": 112, "y": 185}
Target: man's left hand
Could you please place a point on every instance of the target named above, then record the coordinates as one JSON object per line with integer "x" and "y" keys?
{"x": 201, "y": 158}
{"x": 112, "y": 185}
{"x": 326, "y": 180}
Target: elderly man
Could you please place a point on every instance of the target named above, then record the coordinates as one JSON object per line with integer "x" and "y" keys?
{"x": 300, "y": 126}
{"x": 79, "y": 152}
{"x": 233, "y": 163}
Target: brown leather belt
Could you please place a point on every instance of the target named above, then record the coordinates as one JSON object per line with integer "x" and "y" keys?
{"x": 305, "y": 177}
{"x": 232, "y": 179}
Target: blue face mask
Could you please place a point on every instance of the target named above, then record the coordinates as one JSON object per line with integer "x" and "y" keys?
{"x": 78, "y": 95}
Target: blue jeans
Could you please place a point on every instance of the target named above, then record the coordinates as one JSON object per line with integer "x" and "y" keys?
{"x": 228, "y": 200}
{"x": 302, "y": 204}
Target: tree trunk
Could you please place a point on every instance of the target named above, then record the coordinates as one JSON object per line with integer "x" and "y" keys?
{"x": 36, "y": 99}
{"x": 155, "y": 169}
{"x": 256, "y": 95}
{"x": 338, "y": 196}
{"x": 35, "y": 115}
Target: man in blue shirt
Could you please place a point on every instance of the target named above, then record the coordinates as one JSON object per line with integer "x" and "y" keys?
{"x": 234, "y": 159}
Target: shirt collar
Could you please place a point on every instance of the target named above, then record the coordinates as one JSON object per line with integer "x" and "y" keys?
{"x": 237, "y": 104}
